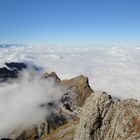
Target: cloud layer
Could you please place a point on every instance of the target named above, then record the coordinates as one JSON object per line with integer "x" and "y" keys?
{"x": 112, "y": 69}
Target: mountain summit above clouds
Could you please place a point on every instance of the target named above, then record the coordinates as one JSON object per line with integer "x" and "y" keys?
{"x": 12, "y": 69}
{"x": 80, "y": 113}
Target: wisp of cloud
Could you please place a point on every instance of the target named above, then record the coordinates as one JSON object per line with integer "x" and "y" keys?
{"x": 21, "y": 100}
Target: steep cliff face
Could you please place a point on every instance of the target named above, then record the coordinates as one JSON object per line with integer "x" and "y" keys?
{"x": 104, "y": 118}
{"x": 80, "y": 87}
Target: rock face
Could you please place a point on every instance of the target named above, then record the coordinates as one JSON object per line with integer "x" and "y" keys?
{"x": 12, "y": 71}
{"x": 15, "y": 65}
{"x": 6, "y": 73}
{"x": 67, "y": 108}
{"x": 52, "y": 75}
{"x": 104, "y": 118}
{"x": 80, "y": 86}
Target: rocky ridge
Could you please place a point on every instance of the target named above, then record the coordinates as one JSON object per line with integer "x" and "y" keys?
{"x": 84, "y": 114}
{"x": 67, "y": 108}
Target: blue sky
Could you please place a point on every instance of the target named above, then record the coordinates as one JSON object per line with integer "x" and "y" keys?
{"x": 99, "y": 22}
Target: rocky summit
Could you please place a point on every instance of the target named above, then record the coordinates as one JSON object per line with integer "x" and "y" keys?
{"x": 81, "y": 113}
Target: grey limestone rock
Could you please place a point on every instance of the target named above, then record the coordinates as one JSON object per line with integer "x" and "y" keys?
{"x": 105, "y": 118}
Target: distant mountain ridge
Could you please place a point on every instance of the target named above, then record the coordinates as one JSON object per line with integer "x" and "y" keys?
{"x": 10, "y": 45}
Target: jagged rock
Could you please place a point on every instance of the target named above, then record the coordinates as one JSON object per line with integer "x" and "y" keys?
{"x": 51, "y": 75}
{"x": 12, "y": 71}
{"x": 6, "y": 73}
{"x": 80, "y": 87}
{"x": 104, "y": 118}
{"x": 16, "y": 65}
{"x": 78, "y": 90}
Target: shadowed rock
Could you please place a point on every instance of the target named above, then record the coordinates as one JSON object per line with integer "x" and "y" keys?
{"x": 13, "y": 68}
{"x": 17, "y": 66}
{"x": 6, "y": 73}
{"x": 12, "y": 71}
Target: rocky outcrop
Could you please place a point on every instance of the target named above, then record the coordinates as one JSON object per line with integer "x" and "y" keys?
{"x": 67, "y": 108}
{"x": 52, "y": 75}
{"x": 17, "y": 66}
{"x": 105, "y": 118}
{"x": 80, "y": 87}
{"x": 12, "y": 70}
{"x": 6, "y": 74}
{"x": 64, "y": 113}
{"x": 78, "y": 90}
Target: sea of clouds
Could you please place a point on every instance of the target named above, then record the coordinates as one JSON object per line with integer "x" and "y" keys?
{"x": 115, "y": 70}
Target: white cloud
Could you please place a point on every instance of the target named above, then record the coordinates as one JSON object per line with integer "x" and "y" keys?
{"x": 112, "y": 69}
